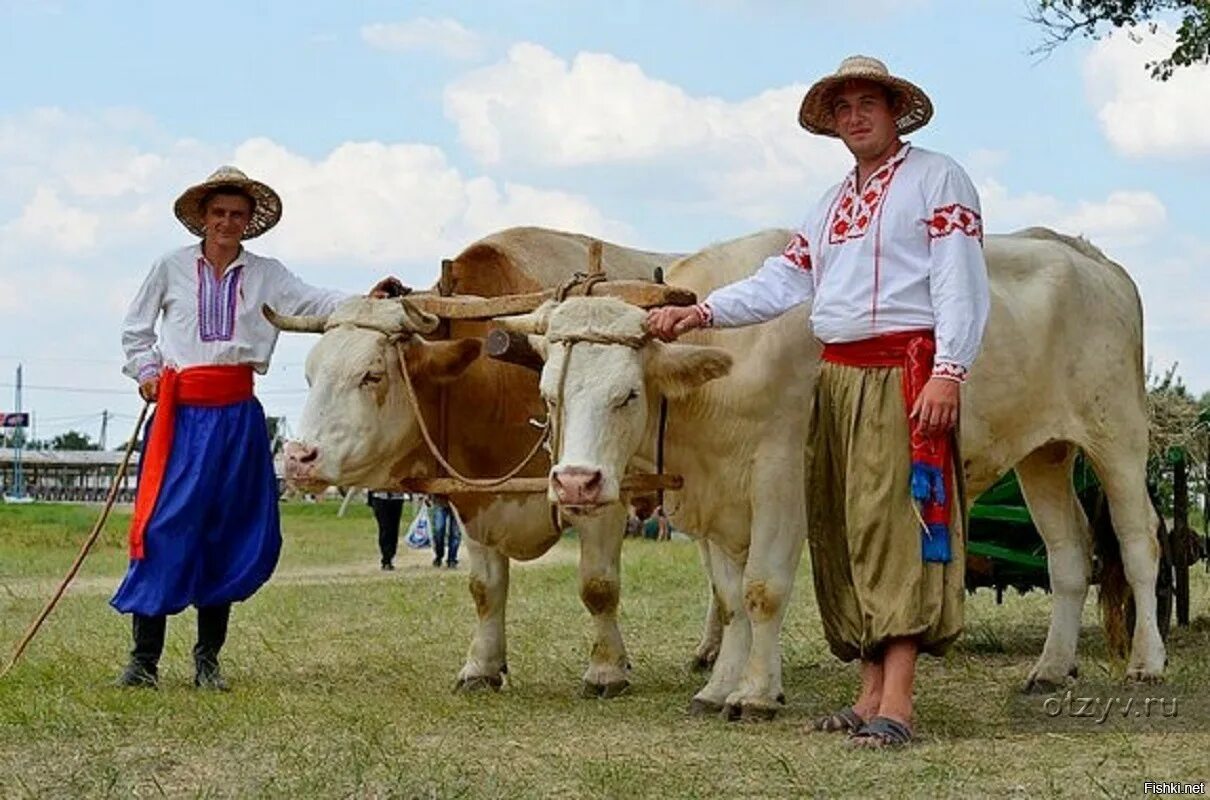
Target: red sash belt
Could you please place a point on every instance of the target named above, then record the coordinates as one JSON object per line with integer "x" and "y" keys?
{"x": 932, "y": 462}
{"x": 193, "y": 386}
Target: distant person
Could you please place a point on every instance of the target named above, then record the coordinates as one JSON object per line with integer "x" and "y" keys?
{"x": 388, "y": 509}
{"x": 445, "y": 532}
{"x": 648, "y": 520}
{"x": 205, "y": 531}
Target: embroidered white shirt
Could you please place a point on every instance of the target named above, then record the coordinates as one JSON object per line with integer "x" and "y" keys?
{"x": 903, "y": 253}
{"x": 209, "y": 320}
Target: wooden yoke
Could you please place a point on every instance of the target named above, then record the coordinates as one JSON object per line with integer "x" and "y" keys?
{"x": 472, "y": 307}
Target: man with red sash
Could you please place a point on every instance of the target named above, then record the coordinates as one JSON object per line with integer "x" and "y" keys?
{"x": 892, "y": 260}
{"x": 205, "y": 530}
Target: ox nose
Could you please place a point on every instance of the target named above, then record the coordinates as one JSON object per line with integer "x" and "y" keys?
{"x": 577, "y": 486}
{"x": 299, "y": 457}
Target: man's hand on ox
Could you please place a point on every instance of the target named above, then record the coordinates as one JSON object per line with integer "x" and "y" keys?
{"x": 936, "y": 409}
{"x": 389, "y": 286}
{"x": 149, "y": 389}
{"x": 668, "y": 322}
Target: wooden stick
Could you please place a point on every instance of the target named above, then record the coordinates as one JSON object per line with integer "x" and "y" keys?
{"x": 464, "y": 306}
{"x": 512, "y": 348}
{"x": 642, "y": 483}
{"x": 88, "y": 543}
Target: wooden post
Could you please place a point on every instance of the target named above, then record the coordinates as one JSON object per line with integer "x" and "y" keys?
{"x": 1180, "y": 536}
{"x": 445, "y": 285}
{"x": 594, "y": 258}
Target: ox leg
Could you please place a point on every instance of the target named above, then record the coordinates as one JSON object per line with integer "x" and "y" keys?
{"x": 712, "y": 631}
{"x": 737, "y": 635}
{"x": 773, "y": 559}
{"x": 1046, "y": 481}
{"x": 485, "y": 665}
{"x": 600, "y": 589}
{"x": 1135, "y": 523}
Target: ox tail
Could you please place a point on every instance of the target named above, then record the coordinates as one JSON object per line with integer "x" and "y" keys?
{"x": 1114, "y": 591}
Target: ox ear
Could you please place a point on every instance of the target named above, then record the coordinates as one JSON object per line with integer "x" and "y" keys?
{"x": 532, "y": 323}
{"x": 440, "y": 362}
{"x": 678, "y": 369}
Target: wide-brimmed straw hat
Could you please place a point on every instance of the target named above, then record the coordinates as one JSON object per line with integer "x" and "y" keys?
{"x": 912, "y": 110}
{"x": 266, "y": 203}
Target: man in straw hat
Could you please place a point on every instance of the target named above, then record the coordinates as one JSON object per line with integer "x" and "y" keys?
{"x": 892, "y": 259}
{"x": 205, "y": 530}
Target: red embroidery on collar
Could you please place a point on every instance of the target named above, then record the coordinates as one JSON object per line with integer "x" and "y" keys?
{"x": 855, "y": 212}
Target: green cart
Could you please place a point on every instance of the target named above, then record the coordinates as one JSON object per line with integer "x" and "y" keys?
{"x": 1005, "y": 550}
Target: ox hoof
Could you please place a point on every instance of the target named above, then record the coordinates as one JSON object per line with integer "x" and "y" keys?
{"x": 1036, "y": 685}
{"x": 704, "y": 708}
{"x": 604, "y": 691}
{"x": 479, "y": 683}
{"x": 1139, "y": 676}
{"x": 751, "y": 713}
{"x": 732, "y": 712}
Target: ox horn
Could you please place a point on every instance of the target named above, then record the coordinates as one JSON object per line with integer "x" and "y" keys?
{"x": 313, "y": 323}
{"x": 534, "y": 322}
{"x": 417, "y": 319}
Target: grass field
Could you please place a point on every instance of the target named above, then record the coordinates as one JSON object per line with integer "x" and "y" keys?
{"x": 342, "y": 680}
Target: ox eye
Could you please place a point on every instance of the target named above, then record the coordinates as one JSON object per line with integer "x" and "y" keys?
{"x": 371, "y": 378}
{"x": 628, "y": 399}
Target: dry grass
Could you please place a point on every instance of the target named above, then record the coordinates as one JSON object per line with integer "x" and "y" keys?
{"x": 342, "y": 689}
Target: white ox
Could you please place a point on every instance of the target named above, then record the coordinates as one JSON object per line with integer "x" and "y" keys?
{"x": 358, "y": 429}
{"x": 1061, "y": 370}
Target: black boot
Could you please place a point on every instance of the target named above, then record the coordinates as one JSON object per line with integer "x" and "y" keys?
{"x": 143, "y": 669}
{"x": 211, "y": 634}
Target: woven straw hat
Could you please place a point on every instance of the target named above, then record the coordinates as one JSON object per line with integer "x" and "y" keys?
{"x": 913, "y": 110}
{"x": 265, "y": 214}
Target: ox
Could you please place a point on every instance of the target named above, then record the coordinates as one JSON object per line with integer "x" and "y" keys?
{"x": 358, "y": 429}
{"x": 1061, "y": 370}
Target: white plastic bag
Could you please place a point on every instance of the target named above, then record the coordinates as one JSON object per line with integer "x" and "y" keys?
{"x": 418, "y": 536}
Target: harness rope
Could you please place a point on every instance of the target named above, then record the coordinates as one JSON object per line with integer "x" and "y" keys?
{"x": 436, "y": 452}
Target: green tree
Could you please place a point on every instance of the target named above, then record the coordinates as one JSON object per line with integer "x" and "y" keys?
{"x": 1063, "y": 19}
{"x": 73, "y": 440}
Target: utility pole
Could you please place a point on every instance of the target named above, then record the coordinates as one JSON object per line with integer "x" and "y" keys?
{"x": 104, "y": 426}
{"x": 19, "y": 442}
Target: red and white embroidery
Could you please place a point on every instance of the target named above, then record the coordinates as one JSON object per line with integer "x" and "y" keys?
{"x": 854, "y": 212}
{"x": 956, "y": 217}
{"x": 949, "y": 371}
{"x": 798, "y": 252}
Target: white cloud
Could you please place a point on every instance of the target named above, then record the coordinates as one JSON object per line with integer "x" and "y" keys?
{"x": 850, "y": 9}
{"x": 749, "y": 158}
{"x": 1141, "y": 116}
{"x": 388, "y": 204}
{"x": 55, "y": 224}
{"x": 1123, "y": 218}
{"x": 444, "y": 36}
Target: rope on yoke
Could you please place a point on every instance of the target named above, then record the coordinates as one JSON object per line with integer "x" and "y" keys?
{"x": 436, "y": 452}
{"x": 36, "y": 625}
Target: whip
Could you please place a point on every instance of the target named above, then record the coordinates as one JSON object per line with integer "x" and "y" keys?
{"x": 88, "y": 543}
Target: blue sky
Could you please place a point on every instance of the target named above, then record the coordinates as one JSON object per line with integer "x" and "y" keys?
{"x": 398, "y": 133}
